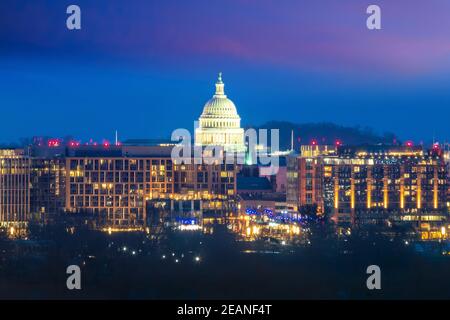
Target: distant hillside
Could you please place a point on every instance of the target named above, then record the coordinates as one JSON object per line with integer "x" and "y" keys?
{"x": 326, "y": 133}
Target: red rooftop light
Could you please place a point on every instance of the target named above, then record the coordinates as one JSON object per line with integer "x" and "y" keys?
{"x": 409, "y": 144}
{"x": 53, "y": 143}
{"x": 74, "y": 144}
{"x": 314, "y": 142}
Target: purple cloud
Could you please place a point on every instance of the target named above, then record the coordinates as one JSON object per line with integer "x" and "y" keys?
{"x": 304, "y": 35}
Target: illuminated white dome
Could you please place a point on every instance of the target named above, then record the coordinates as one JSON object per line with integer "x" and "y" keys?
{"x": 219, "y": 123}
{"x": 219, "y": 106}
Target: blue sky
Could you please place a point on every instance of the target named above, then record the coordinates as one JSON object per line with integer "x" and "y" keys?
{"x": 147, "y": 67}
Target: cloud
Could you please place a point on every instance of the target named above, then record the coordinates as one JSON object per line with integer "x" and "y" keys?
{"x": 325, "y": 36}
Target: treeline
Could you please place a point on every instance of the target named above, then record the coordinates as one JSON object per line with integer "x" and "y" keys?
{"x": 326, "y": 133}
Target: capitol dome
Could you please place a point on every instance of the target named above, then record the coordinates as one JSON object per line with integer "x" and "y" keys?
{"x": 219, "y": 123}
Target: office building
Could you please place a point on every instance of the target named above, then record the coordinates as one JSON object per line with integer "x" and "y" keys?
{"x": 116, "y": 184}
{"x": 14, "y": 188}
{"x": 372, "y": 184}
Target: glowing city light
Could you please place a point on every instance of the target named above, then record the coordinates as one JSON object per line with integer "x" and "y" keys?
{"x": 189, "y": 227}
{"x": 53, "y": 143}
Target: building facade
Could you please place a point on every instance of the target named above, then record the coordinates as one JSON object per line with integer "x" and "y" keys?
{"x": 14, "y": 188}
{"x": 48, "y": 186}
{"x": 372, "y": 184}
{"x": 116, "y": 186}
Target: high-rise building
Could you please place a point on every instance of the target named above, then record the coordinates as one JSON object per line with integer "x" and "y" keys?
{"x": 47, "y": 178}
{"x": 14, "y": 188}
{"x": 219, "y": 123}
{"x": 372, "y": 184}
{"x": 113, "y": 187}
{"x": 116, "y": 184}
{"x": 48, "y": 186}
{"x": 306, "y": 181}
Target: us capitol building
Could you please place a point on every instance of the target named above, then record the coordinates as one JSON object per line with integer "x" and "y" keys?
{"x": 219, "y": 123}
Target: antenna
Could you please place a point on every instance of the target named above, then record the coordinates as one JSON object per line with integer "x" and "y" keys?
{"x": 292, "y": 140}
{"x": 117, "y": 138}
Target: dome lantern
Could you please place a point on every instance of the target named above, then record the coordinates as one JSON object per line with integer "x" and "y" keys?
{"x": 220, "y": 86}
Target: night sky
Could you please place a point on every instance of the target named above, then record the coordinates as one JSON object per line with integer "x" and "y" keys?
{"x": 147, "y": 67}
